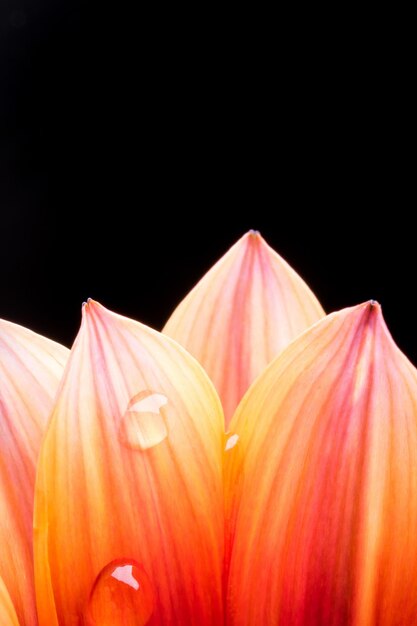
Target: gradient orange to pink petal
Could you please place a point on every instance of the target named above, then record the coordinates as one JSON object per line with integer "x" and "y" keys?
{"x": 323, "y": 490}
{"x": 8, "y": 615}
{"x": 242, "y": 313}
{"x": 30, "y": 370}
{"x": 129, "y": 495}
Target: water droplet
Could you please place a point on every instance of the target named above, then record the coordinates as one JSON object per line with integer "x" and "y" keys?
{"x": 143, "y": 425}
{"x": 122, "y": 595}
{"x": 231, "y": 441}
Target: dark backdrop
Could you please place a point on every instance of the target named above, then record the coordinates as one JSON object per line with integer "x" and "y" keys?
{"x": 133, "y": 154}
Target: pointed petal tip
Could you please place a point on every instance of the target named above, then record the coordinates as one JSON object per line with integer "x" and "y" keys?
{"x": 93, "y": 311}
{"x": 372, "y": 313}
{"x": 90, "y": 311}
{"x": 373, "y": 306}
{"x": 252, "y": 237}
{"x": 86, "y": 303}
{"x": 90, "y": 306}
{"x": 368, "y": 310}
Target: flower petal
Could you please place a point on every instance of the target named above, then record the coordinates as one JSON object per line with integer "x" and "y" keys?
{"x": 244, "y": 311}
{"x": 325, "y": 512}
{"x": 129, "y": 497}
{"x": 8, "y": 615}
{"x": 30, "y": 369}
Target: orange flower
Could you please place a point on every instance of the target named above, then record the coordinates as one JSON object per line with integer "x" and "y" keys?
{"x": 147, "y": 512}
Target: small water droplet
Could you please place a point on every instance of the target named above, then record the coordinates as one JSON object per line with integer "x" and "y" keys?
{"x": 143, "y": 425}
{"x": 122, "y": 595}
{"x": 231, "y": 441}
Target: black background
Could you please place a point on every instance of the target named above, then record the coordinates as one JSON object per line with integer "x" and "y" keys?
{"x": 134, "y": 152}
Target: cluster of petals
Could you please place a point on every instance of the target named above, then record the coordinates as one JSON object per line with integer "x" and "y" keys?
{"x": 253, "y": 464}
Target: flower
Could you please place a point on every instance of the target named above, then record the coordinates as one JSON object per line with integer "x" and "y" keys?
{"x": 299, "y": 509}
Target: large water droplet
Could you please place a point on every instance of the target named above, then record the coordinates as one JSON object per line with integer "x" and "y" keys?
{"x": 122, "y": 595}
{"x": 143, "y": 425}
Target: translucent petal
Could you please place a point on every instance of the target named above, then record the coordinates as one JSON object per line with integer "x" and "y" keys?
{"x": 244, "y": 311}
{"x": 30, "y": 370}
{"x": 8, "y": 615}
{"x": 323, "y": 496}
{"x": 129, "y": 498}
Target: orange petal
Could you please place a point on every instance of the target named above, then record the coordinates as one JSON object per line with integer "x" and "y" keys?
{"x": 326, "y": 525}
{"x": 30, "y": 370}
{"x": 129, "y": 497}
{"x": 8, "y": 615}
{"x": 244, "y": 311}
